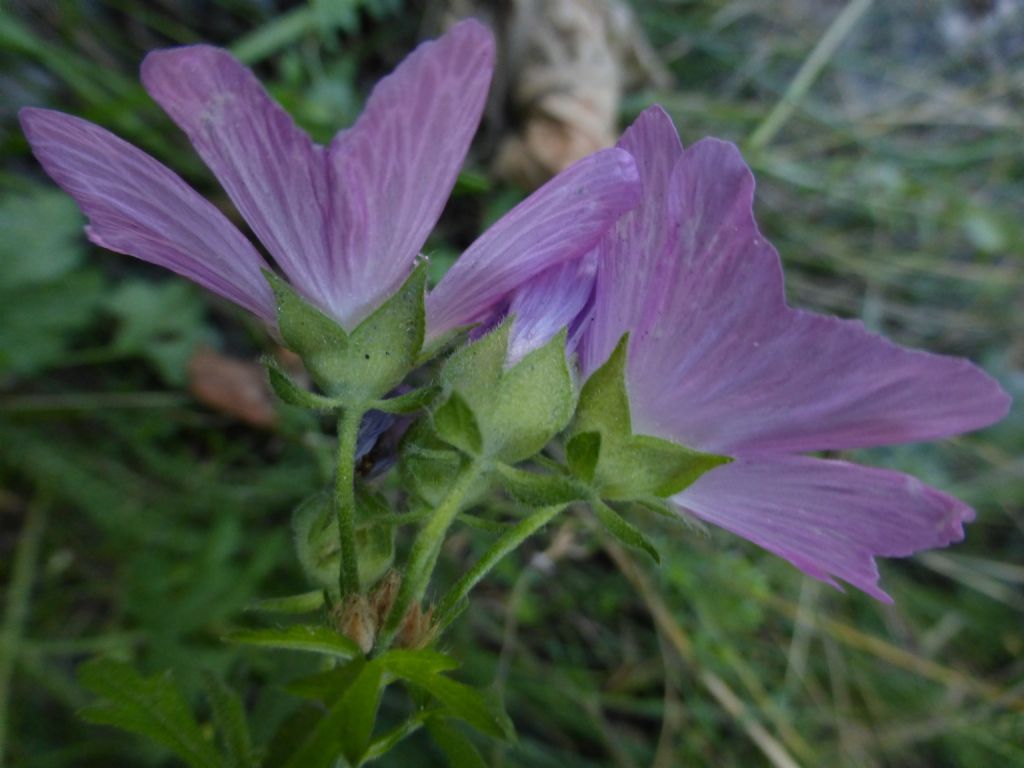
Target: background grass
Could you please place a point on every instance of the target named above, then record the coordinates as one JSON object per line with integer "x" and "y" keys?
{"x": 134, "y": 522}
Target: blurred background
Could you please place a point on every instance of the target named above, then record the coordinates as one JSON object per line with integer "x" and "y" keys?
{"x": 147, "y": 480}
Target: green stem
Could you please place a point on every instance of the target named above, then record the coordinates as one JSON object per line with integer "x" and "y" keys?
{"x": 25, "y": 557}
{"x": 426, "y": 548}
{"x": 505, "y": 544}
{"x": 345, "y": 498}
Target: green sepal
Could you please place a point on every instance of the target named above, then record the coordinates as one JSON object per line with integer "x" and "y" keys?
{"x": 456, "y": 424}
{"x": 315, "y": 529}
{"x": 622, "y": 530}
{"x": 538, "y": 490}
{"x": 428, "y": 464}
{"x": 517, "y": 410}
{"x": 604, "y": 452}
{"x": 386, "y": 345}
{"x": 372, "y": 359}
{"x": 309, "y": 333}
{"x": 291, "y": 393}
{"x": 582, "y": 453}
{"x": 410, "y": 402}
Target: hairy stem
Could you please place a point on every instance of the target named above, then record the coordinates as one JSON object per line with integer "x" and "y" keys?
{"x": 504, "y": 545}
{"x": 426, "y": 548}
{"x": 345, "y": 498}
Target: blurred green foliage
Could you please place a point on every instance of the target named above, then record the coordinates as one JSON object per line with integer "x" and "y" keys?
{"x": 137, "y": 524}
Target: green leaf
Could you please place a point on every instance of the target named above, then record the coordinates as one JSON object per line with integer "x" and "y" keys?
{"x": 539, "y": 490}
{"x": 304, "y": 603}
{"x": 309, "y": 638}
{"x": 409, "y": 662}
{"x": 148, "y": 706}
{"x": 618, "y": 465}
{"x": 231, "y": 724}
{"x": 389, "y": 739}
{"x": 623, "y": 530}
{"x": 519, "y": 410}
{"x": 459, "y": 751}
{"x": 460, "y": 701}
{"x": 326, "y": 686}
{"x": 455, "y": 424}
{"x": 347, "y": 727}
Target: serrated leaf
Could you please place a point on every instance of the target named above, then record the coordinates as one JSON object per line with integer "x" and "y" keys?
{"x": 347, "y": 727}
{"x": 622, "y": 530}
{"x": 405, "y": 662}
{"x": 458, "y": 750}
{"x": 460, "y": 700}
{"x": 147, "y": 706}
{"x": 301, "y": 637}
{"x": 230, "y": 723}
{"x": 456, "y": 424}
{"x": 326, "y": 686}
{"x": 388, "y": 740}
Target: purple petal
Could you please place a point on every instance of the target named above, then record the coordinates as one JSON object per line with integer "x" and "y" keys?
{"x": 828, "y": 518}
{"x": 629, "y": 254}
{"x": 560, "y": 221}
{"x": 139, "y": 207}
{"x": 274, "y": 174}
{"x": 394, "y": 169}
{"x": 548, "y": 303}
{"x": 719, "y": 362}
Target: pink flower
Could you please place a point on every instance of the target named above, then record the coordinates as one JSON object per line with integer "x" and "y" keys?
{"x": 345, "y": 223}
{"x": 718, "y": 362}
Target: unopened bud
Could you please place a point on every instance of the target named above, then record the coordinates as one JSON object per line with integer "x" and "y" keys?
{"x": 416, "y": 631}
{"x": 382, "y": 599}
{"x": 357, "y": 621}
